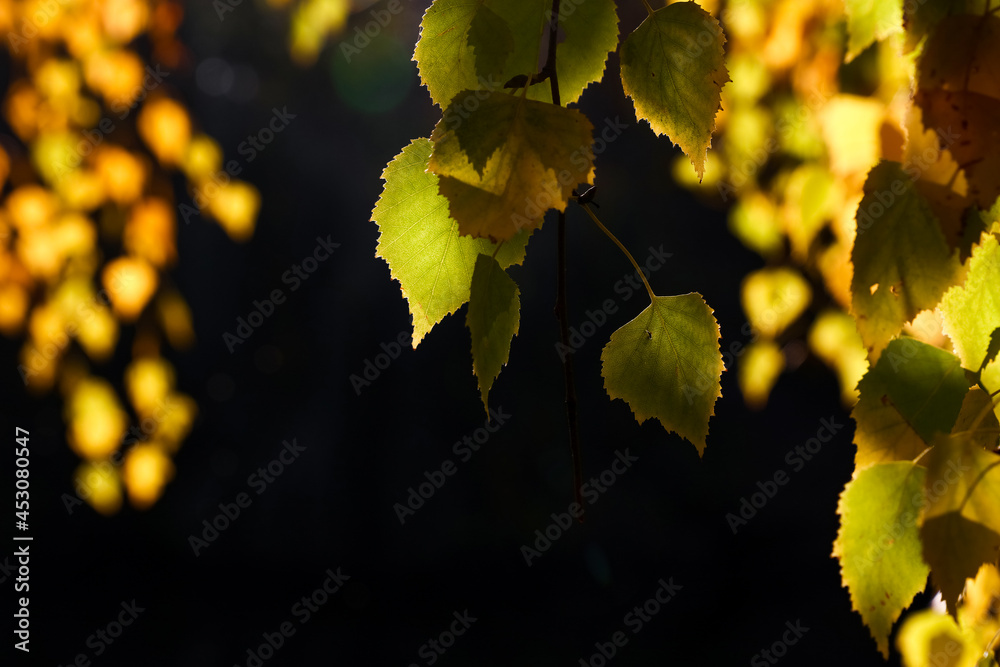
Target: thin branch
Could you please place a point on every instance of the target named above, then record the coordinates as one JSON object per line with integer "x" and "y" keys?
{"x": 652, "y": 296}
{"x": 561, "y": 308}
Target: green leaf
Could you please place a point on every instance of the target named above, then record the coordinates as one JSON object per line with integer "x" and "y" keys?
{"x": 902, "y": 263}
{"x": 591, "y": 29}
{"x": 976, "y": 403}
{"x": 503, "y": 165}
{"x": 433, "y": 264}
{"x": 961, "y": 529}
{"x": 666, "y": 364}
{"x": 493, "y": 318}
{"x": 491, "y": 41}
{"x": 869, "y": 21}
{"x": 879, "y": 544}
{"x": 971, "y": 313}
{"x": 480, "y": 44}
{"x": 914, "y": 391}
{"x": 673, "y": 69}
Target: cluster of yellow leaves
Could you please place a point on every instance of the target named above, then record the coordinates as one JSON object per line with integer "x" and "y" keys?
{"x": 866, "y": 162}
{"x": 88, "y": 226}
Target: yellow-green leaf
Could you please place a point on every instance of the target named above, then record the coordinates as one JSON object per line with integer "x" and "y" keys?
{"x": 421, "y": 244}
{"x": 961, "y": 529}
{"x": 673, "y": 68}
{"x": 493, "y": 318}
{"x": 666, "y": 364}
{"x": 914, "y": 391}
{"x": 878, "y": 544}
{"x": 930, "y": 639}
{"x": 773, "y": 298}
{"x": 902, "y": 263}
{"x": 869, "y": 21}
{"x": 480, "y": 44}
{"x": 504, "y": 164}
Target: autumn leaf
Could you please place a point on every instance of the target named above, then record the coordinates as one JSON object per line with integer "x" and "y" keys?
{"x": 878, "y": 544}
{"x": 673, "y": 69}
{"x": 421, "y": 244}
{"x": 902, "y": 264}
{"x": 961, "y": 528}
{"x": 869, "y": 21}
{"x": 506, "y": 162}
{"x": 666, "y": 364}
{"x": 959, "y": 89}
{"x": 493, "y": 318}
{"x": 479, "y": 44}
{"x": 914, "y": 391}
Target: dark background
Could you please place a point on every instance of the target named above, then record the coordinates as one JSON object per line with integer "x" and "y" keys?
{"x": 333, "y": 507}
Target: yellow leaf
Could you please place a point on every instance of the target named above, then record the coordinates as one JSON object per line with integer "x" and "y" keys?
{"x": 503, "y": 161}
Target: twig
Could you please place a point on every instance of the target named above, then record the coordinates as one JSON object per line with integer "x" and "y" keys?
{"x": 561, "y": 309}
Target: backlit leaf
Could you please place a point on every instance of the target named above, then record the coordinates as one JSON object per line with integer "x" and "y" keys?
{"x": 493, "y": 319}
{"x": 666, "y": 364}
{"x": 505, "y": 164}
{"x": 902, "y": 264}
{"x": 914, "y": 391}
{"x": 673, "y": 69}
{"x": 421, "y": 244}
{"x": 479, "y": 44}
{"x": 930, "y": 639}
{"x": 869, "y": 21}
{"x": 878, "y": 544}
{"x": 961, "y": 528}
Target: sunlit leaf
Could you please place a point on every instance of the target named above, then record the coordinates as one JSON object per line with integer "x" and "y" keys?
{"x": 508, "y": 162}
{"x": 666, "y": 364}
{"x": 758, "y": 370}
{"x": 869, "y": 21}
{"x": 774, "y": 298}
{"x": 930, "y": 639}
{"x": 421, "y": 244}
{"x": 493, "y": 319}
{"x": 673, "y": 69}
{"x": 902, "y": 264}
{"x": 879, "y": 546}
{"x": 961, "y": 528}
{"x": 914, "y": 391}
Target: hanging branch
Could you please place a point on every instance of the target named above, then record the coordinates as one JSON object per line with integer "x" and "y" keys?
{"x": 561, "y": 309}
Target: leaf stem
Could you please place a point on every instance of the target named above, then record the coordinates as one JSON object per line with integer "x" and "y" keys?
{"x": 561, "y": 309}
{"x": 652, "y": 296}
{"x": 648, "y": 8}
